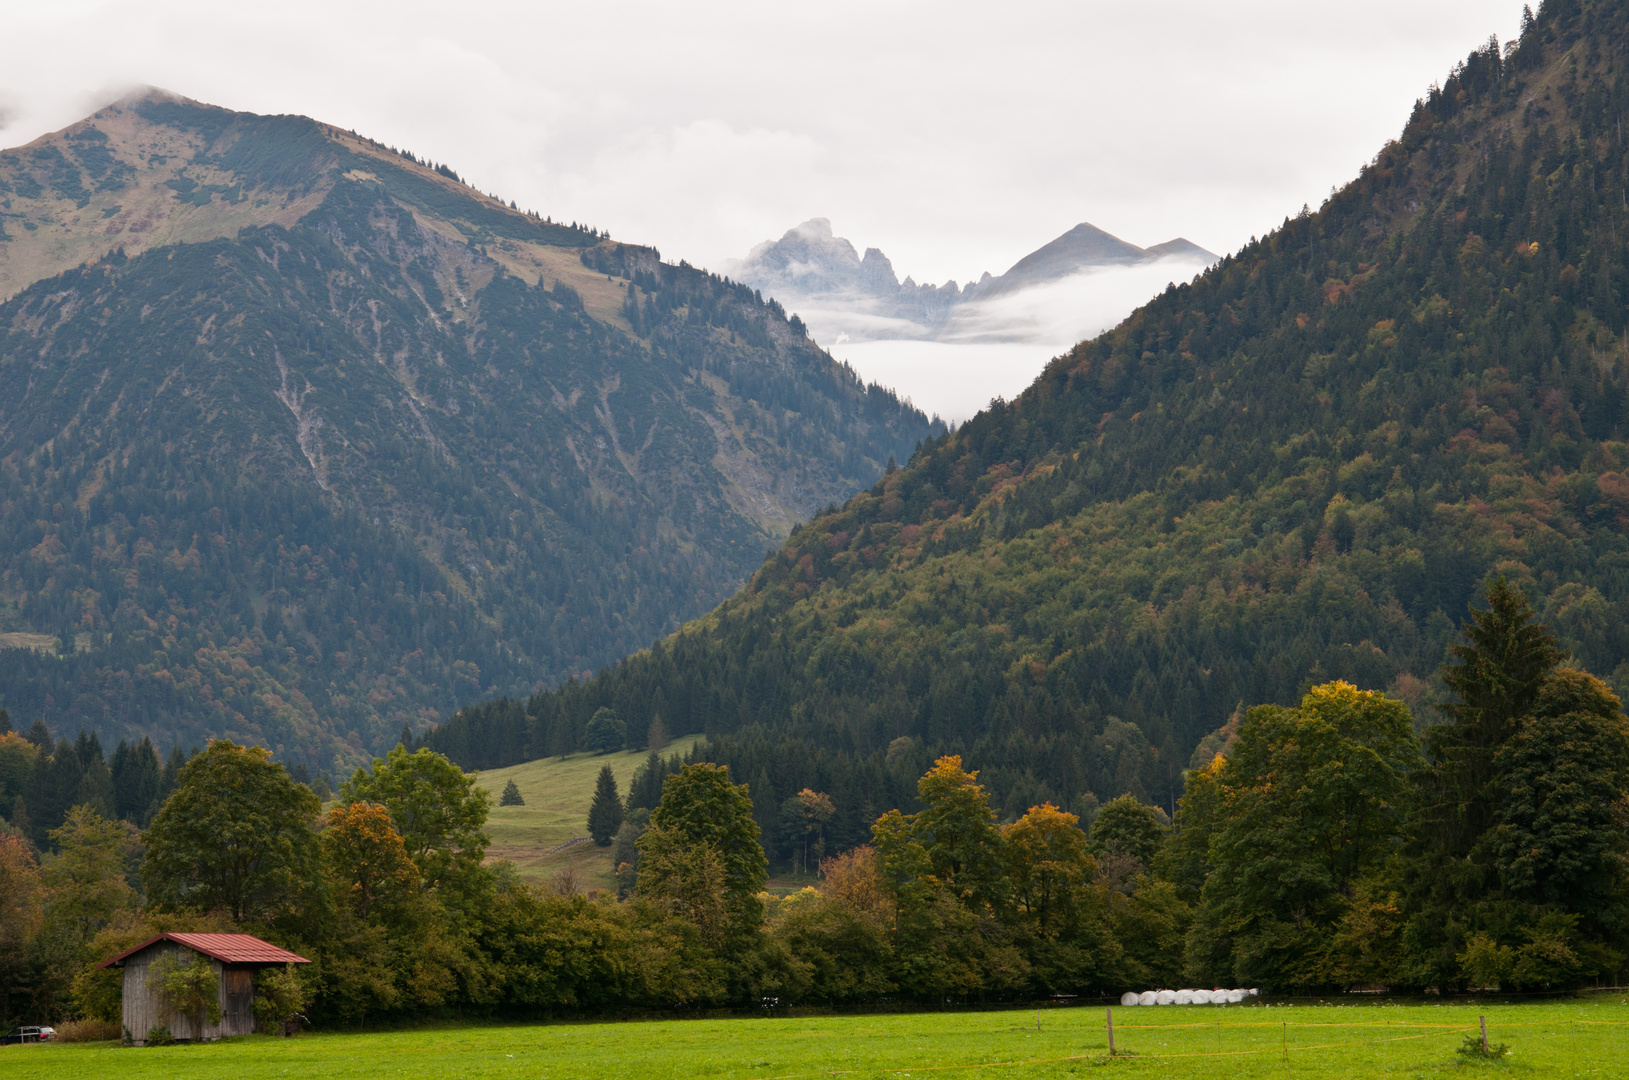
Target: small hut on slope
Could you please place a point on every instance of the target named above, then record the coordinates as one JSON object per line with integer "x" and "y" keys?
{"x": 234, "y": 959}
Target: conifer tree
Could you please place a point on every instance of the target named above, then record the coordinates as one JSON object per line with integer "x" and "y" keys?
{"x": 605, "y": 813}
{"x": 511, "y": 796}
{"x": 1505, "y": 659}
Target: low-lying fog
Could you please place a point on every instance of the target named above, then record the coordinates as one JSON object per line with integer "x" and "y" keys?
{"x": 992, "y": 348}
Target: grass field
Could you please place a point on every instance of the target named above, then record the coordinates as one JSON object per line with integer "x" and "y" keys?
{"x": 557, "y": 793}
{"x": 1588, "y": 1038}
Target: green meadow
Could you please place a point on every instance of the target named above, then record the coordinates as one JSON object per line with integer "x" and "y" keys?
{"x": 557, "y": 793}
{"x": 1574, "y": 1038}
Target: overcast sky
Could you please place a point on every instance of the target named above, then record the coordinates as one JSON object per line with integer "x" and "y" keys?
{"x": 954, "y": 136}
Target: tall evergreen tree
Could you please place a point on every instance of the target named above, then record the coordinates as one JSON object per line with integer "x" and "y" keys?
{"x": 1504, "y": 660}
{"x": 605, "y": 812}
{"x": 137, "y": 776}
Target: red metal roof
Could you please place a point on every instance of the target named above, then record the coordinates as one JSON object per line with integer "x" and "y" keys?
{"x": 227, "y": 948}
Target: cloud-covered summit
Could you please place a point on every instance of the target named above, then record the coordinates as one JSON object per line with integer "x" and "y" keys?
{"x": 842, "y": 294}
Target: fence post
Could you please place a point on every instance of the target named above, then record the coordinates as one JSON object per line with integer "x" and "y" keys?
{"x": 1484, "y": 1021}
{"x": 1111, "y": 1031}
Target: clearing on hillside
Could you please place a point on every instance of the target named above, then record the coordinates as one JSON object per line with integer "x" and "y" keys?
{"x": 537, "y": 837}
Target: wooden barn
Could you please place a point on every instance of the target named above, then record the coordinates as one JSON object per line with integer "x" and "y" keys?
{"x": 235, "y": 959}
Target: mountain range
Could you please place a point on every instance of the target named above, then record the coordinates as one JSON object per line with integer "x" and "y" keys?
{"x": 1300, "y": 466}
{"x": 839, "y": 291}
{"x": 304, "y": 440}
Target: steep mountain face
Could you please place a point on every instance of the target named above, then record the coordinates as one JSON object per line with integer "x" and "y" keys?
{"x": 820, "y": 274}
{"x": 302, "y": 440}
{"x": 1296, "y": 469}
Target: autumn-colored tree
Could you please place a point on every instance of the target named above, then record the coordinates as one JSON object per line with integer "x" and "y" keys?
{"x": 439, "y": 810}
{"x": 366, "y": 857}
{"x": 17, "y": 758}
{"x": 1048, "y": 865}
{"x": 855, "y": 879}
{"x": 1184, "y": 858}
{"x": 956, "y": 827}
{"x": 21, "y": 913}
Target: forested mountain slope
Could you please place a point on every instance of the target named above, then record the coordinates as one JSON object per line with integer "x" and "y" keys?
{"x": 1296, "y": 468}
{"x": 302, "y": 440}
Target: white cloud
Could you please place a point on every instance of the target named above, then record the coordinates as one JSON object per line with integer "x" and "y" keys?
{"x": 955, "y": 135}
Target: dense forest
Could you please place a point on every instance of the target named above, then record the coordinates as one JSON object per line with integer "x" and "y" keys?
{"x": 1295, "y": 468}
{"x": 377, "y": 448}
{"x": 1327, "y": 847}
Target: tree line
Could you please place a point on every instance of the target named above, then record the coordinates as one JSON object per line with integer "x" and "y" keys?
{"x": 1326, "y": 846}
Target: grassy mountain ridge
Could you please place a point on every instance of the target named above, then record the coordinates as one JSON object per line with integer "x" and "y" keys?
{"x": 367, "y": 445}
{"x": 1295, "y": 468}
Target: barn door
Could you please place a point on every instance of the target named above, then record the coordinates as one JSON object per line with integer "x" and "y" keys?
{"x": 239, "y": 984}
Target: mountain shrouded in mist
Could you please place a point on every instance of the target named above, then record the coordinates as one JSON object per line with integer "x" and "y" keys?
{"x": 820, "y": 274}
{"x": 1297, "y": 468}
{"x": 302, "y": 440}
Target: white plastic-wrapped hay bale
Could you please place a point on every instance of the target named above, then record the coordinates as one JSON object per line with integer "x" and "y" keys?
{"x": 1234, "y": 996}
{"x": 1146, "y": 997}
{"x": 1201, "y": 997}
{"x": 1165, "y": 997}
{"x": 1130, "y": 998}
{"x": 1183, "y": 997}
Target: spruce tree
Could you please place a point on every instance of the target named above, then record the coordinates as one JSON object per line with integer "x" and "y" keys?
{"x": 1505, "y": 660}
{"x": 605, "y": 813}
{"x": 511, "y": 796}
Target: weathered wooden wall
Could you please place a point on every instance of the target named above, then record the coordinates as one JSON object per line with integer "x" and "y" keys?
{"x": 143, "y": 1011}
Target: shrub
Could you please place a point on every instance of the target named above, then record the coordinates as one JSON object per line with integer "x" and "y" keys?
{"x": 279, "y": 997}
{"x": 91, "y": 1030}
{"x": 606, "y": 732}
{"x": 187, "y": 986}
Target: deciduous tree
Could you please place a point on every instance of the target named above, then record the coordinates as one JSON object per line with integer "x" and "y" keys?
{"x": 438, "y": 809}
{"x": 237, "y": 834}
{"x": 701, "y": 808}
{"x": 366, "y": 857}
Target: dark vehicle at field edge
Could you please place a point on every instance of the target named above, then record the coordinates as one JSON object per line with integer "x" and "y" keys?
{"x": 28, "y": 1035}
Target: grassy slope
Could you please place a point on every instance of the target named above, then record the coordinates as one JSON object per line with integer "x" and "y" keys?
{"x": 1584, "y": 1039}
{"x": 557, "y": 794}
